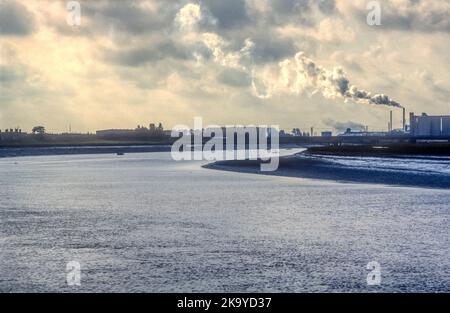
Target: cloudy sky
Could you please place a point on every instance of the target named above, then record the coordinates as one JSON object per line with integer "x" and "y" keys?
{"x": 294, "y": 63}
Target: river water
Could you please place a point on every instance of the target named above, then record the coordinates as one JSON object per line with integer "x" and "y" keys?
{"x": 145, "y": 223}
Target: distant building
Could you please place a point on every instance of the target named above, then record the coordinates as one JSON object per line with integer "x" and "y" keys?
{"x": 139, "y": 133}
{"x": 12, "y": 134}
{"x": 350, "y": 133}
{"x": 297, "y": 132}
{"x": 429, "y": 126}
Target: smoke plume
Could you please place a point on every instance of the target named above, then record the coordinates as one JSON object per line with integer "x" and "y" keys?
{"x": 292, "y": 76}
{"x": 303, "y": 75}
{"x": 342, "y": 126}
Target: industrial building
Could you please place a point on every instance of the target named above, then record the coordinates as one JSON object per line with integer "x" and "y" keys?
{"x": 351, "y": 133}
{"x": 140, "y": 132}
{"x": 430, "y": 126}
{"x": 12, "y": 134}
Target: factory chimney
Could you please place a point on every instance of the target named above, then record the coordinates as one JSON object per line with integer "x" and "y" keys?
{"x": 390, "y": 122}
{"x": 404, "y": 119}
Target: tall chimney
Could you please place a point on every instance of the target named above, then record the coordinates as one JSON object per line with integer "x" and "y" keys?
{"x": 390, "y": 122}
{"x": 404, "y": 119}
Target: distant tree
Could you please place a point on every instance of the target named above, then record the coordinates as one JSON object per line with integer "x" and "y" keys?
{"x": 38, "y": 130}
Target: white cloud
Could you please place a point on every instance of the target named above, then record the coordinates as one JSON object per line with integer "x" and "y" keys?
{"x": 188, "y": 17}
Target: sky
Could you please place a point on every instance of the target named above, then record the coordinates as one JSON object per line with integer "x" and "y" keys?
{"x": 293, "y": 63}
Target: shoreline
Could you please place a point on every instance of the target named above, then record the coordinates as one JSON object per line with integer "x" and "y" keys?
{"x": 392, "y": 150}
{"x": 307, "y": 167}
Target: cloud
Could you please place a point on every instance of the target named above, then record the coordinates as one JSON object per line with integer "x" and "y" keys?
{"x": 229, "y": 13}
{"x": 129, "y": 17}
{"x": 333, "y": 30}
{"x": 234, "y": 78}
{"x": 9, "y": 74}
{"x": 140, "y": 55}
{"x": 405, "y": 15}
{"x": 298, "y": 12}
{"x": 268, "y": 47}
{"x": 437, "y": 87}
{"x": 290, "y": 9}
{"x": 327, "y": 6}
{"x": 188, "y": 17}
{"x": 297, "y": 77}
{"x": 15, "y": 19}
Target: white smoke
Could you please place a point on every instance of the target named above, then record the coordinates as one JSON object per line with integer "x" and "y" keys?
{"x": 305, "y": 75}
{"x": 299, "y": 75}
{"x": 343, "y": 126}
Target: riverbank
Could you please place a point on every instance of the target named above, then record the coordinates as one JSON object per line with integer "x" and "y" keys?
{"x": 407, "y": 171}
{"x": 418, "y": 149}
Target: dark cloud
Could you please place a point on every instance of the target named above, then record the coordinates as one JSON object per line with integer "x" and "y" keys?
{"x": 300, "y": 10}
{"x": 270, "y": 48}
{"x": 327, "y": 6}
{"x": 229, "y": 13}
{"x": 125, "y": 16}
{"x": 15, "y": 19}
{"x": 234, "y": 78}
{"x": 435, "y": 22}
{"x": 138, "y": 56}
{"x": 10, "y": 74}
{"x": 415, "y": 15}
{"x": 291, "y": 6}
{"x": 129, "y": 19}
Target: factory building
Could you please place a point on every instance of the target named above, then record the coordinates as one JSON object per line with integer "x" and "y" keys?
{"x": 12, "y": 134}
{"x": 429, "y": 126}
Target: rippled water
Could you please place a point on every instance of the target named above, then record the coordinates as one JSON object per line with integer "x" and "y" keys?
{"x": 142, "y": 222}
